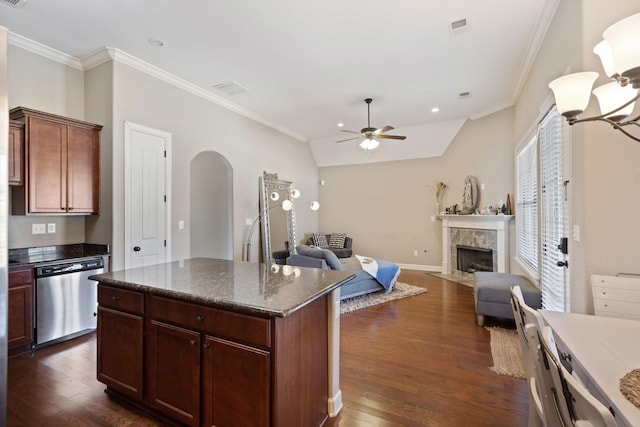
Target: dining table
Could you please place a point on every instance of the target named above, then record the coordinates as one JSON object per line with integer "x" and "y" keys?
{"x": 601, "y": 350}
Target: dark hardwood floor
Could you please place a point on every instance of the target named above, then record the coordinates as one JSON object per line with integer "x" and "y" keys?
{"x": 419, "y": 361}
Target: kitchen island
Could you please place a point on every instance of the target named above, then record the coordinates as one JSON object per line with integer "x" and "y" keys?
{"x": 222, "y": 343}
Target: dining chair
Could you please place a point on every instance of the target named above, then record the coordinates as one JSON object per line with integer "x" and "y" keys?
{"x": 536, "y": 414}
{"x": 582, "y": 408}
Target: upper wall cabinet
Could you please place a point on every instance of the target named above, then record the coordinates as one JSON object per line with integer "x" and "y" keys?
{"x": 16, "y": 150}
{"x": 62, "y": 165}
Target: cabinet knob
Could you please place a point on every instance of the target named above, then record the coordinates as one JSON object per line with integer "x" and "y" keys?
{"x": 206, "y": 346}
{"x": 70, "y": 208}
{"x": 199, "y": 318}
{"x": 193, "y": 343}
{"x": 115, "y": 298}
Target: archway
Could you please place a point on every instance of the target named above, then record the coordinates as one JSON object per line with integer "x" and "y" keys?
{"x": 211, "y": 206}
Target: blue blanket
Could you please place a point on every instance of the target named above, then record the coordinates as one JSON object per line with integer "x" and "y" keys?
{"x": 385, "y": 272}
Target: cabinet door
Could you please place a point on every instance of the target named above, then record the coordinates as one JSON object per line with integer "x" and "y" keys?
{"x": 20, "y": 327}
{"x": 120, "y": 351}
{"x": 83, "y": 170}
{"x": 173, "y": 371}
{"x": 47, "y": 150}
{"x": 236, "y": 384}
{"x": 16, "y": 138}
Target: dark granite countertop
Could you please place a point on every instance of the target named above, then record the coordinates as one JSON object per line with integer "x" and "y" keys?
{"x": 258, "y": 289}
{"x": 29, "y": 257}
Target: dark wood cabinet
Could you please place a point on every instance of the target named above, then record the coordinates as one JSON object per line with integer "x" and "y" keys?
{"x": 62, "y": 165}
{"x": 173, "y": 371}
{"x": 205, "y": 366}
{"x": 235, "y": 377}
{"x": 20, "y": 301}
{"x": 120, "y": 340}
{"x": 16, "y": 152}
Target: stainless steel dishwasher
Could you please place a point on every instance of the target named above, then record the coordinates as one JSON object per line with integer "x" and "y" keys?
{"x": 66, "y": 300}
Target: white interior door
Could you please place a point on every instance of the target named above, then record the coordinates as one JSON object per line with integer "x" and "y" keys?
{"x": 147, "y": 198}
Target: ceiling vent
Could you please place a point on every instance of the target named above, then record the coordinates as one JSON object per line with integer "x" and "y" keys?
{"x": 230, "y": 88}
{"x": 463, "y": 95}
{"x": 458, "y": 27}
{"x": 14, "y": 3}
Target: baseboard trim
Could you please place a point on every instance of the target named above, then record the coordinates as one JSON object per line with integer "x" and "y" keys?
{"x": 431, "y": 268}
{"x": 335, "y": 404}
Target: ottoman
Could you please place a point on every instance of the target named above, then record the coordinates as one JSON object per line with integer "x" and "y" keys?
{"x": 492, "y": 294}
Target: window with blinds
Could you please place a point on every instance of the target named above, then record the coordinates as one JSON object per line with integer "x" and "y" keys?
{"x": 554, "y": 220}
{"x": 527, "y": 206}
{"x": 542, "y": 205}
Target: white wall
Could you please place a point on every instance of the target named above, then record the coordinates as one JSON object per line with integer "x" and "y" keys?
{"x": 198, "y": 125}
{"x": 387, "y": 207}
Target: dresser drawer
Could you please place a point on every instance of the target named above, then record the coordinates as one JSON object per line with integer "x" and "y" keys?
{"x": 234, "y": 326}
{"x": 619, "y": 309}
{"x": 121, "y": 299}
{"x": 616, "y": 294}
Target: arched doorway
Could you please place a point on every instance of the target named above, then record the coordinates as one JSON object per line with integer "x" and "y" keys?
{"x": 211, "y": 218}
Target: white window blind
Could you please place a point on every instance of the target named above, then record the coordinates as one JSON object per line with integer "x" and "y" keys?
{"x": 527, "y": 205}
{"x": 553, "y": 210}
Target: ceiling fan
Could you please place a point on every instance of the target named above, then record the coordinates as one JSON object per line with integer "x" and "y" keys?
{"x": 371, "y": 135}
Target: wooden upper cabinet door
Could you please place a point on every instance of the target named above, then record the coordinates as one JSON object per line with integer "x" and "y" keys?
{"x": 83, "y": 170}
{"x": 47, "y": 166}
{"x": 16, "y": 144}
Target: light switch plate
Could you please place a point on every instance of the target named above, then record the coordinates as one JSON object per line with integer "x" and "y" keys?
{"x": 38, "y": 229}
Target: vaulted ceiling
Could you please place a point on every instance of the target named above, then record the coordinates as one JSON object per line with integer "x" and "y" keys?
{"x": 304, "y": 66}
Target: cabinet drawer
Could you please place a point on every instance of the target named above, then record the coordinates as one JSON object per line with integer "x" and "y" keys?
{"x": 221, "y": 323}
{"x": 21, "y": 277}
{"x": 121, "y": 299}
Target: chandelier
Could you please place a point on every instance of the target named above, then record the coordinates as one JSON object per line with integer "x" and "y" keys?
{"x": 619, "y": 53}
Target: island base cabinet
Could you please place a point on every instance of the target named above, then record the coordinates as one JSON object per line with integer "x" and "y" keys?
{"x": 236, "y": 384}
{"x": 173, "y": 371}
{"x": 120, "y": 344}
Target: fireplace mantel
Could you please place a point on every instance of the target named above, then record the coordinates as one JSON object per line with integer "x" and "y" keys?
{"x": 499, "y": 223}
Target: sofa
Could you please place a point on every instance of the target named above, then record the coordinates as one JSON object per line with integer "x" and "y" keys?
{"x": 342, "y": 251}
{"x": 326, "y": 259}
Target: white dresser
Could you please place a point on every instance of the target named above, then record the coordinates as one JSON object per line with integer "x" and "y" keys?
{"x": 616, "y": 296}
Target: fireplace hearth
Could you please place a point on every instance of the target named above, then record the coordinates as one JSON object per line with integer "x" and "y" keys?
{"x": 471, "y": 259}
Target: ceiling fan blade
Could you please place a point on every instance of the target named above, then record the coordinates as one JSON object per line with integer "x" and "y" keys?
{"x": 348, "y": 139}
{"x": 383, "y": 130}
{"x": 350, "y": 131}
{"x": 402, "y": 138}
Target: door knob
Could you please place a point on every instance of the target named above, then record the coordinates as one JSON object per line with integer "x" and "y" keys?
{"x": 136, "y": 248}
{"x": 563, "y": 263}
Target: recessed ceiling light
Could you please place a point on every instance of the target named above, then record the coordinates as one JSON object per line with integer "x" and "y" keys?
{"x": 340, "y": 125}
{"x": 155, "y": 42}
{"x": 435, "y": 109}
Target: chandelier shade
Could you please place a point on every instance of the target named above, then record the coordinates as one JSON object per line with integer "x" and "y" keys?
{"x": 572, "y": 92}
{"x": 624, "y": 40}
{"x": 611, "y": 96}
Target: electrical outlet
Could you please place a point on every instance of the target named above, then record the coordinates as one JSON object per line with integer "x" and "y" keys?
{"x": 180, "y": 225}
{"x": 415, "y": 252}
{"x": 38, "y": 229}
{"x": 51, "y": 227}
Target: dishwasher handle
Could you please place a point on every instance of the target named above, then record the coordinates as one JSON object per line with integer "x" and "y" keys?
{"x": 70, "y": 267}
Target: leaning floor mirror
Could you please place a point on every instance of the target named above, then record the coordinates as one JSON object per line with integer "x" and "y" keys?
{"x": 278, "y": 223}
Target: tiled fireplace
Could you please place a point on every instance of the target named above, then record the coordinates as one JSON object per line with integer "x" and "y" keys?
{"x": 488, "y": 233}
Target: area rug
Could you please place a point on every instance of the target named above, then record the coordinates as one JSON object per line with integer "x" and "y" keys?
{"x": 506, "y": 352}
{"x": 400, "y": 290}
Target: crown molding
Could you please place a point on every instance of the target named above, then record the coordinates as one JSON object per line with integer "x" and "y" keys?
{"x": 112, "y": 54}
{"x": 44, "y": 51}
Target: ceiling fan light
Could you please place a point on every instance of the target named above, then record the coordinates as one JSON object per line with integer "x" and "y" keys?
{"x": 572, "y": 92}
{"x": 611, "y": 96}
{"x": 370, "y": 144}
{"x": 624, "y": 39}
{"x": 603, "y": 50}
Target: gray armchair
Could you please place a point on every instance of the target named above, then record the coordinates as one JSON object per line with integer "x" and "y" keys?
{"x": 344, "y": 252}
